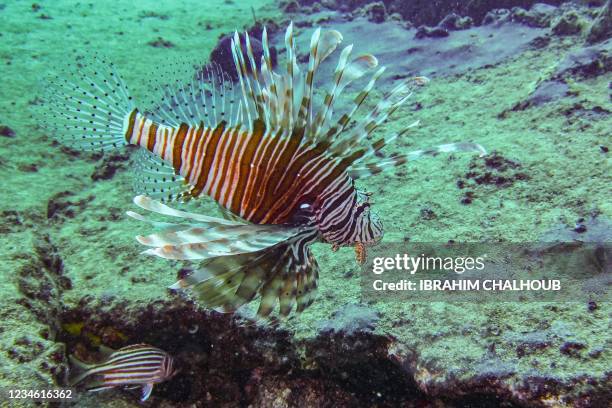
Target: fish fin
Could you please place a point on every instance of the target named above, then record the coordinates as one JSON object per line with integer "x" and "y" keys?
{"x": 151, "y": 205}
{"x": 209, "y": 238}
{"x": 79, "y": 370}
{"x": 346, "y": 72}
{"x": 239, "y": 261}
{"x": 87, "y": 107}
{"x": 249, "y": 82}
{"x": 321, "y": 46}
{"x": 347, "y": 144}
{"x": 146, "y": 392}
{"x": 106, "y": 351}
{"x": 288, "y": 104}
{"x": 334, "y": 131}
{"x": 286, "y": 274}
{"x": 157, "y": 179}
{"x": 228, "y": 215}
{"x": 100, "y": 388}
{"x": 208, "y": 96}
{"x": 378, "y": 165}
{"x": 281, "y": 100}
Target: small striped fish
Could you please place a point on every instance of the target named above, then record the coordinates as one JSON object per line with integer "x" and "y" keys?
{"x": 130, "y": 366}
{"x": 281, "y": 168}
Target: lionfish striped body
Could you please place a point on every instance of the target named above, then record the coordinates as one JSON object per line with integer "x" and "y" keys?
{"x": 281, "y": 169}
{"x": 135, "y": 365}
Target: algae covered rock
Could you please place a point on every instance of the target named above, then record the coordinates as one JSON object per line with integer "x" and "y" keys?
{"x": 374, "y": 12}
{"x": 570, "y": 23}
{"x": 602, "y": 26}
{"x": 454, "y": 21}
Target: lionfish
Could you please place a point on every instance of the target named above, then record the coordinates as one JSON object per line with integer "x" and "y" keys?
{"x": 131, "y": 366}
{"x": 281, "y": 167}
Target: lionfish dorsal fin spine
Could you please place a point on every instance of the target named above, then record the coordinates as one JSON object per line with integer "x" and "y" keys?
{"x": 378, "y": 165}
{"x": 260, "y": 106}
{"x": 248, "y": 95}
{"x": 304, "y": 112}
{"x": 332, "y": 94}
{"x": 364, "y": 128}
{"x": 291, "y": 65}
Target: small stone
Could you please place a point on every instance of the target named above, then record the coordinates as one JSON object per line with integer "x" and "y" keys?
{"x": 602, "y": 26}
{"x": 6, "y": 131}
{"x": 569, "y": 23}
{"x": 539, "y": 15}
{"x": 595, "y": 353}
{"x": 430, "y": 32}
{"x": 496, "y": 16}
{"x": 571, "y": 348}
{"x": 592, "y": 306}
{"x": 290, "y": 6}
{"x": 455, "y": 22}
{"x": 604, "y": 149}
{"x": 580, "y": 226}
{"x": 467, "y": 198}
{"x": 376, "y": 12}
{"x": 161, "y": 43}
{"x": 351, "y": 319}
{"x": 427, "y": 213}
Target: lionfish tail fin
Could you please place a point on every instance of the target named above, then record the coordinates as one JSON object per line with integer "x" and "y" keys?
{"x": 88, "y": 107}
{"x": 238, "y": 262}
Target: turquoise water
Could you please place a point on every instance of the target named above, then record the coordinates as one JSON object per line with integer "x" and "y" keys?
{"x": 531, "y": 86}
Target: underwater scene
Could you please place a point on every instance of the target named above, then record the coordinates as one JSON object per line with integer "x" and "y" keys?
{"x": 306, "y": 203}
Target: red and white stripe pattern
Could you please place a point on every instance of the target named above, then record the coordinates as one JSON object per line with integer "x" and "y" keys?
{"x": 262, "y": 177}
{"x": 262, "y": 150}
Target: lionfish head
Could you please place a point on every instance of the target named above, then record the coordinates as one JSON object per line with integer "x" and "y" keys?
{"x": 369, "y": 227}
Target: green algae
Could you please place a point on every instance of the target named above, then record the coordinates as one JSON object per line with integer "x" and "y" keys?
{"x": 558, "y": 150}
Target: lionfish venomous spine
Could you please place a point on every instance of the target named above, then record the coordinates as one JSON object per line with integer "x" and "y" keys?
{"x": 281, "y": 168}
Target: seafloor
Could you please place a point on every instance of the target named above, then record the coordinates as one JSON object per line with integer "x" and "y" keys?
{"x": 533, "y": 87}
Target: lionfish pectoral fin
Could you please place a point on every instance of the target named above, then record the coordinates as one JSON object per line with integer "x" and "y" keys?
{"x": 228, "y": 215}
{"x": 146, "y": 392}
{"x": 238, "y": 261}
{"x": 284, "y": 273}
